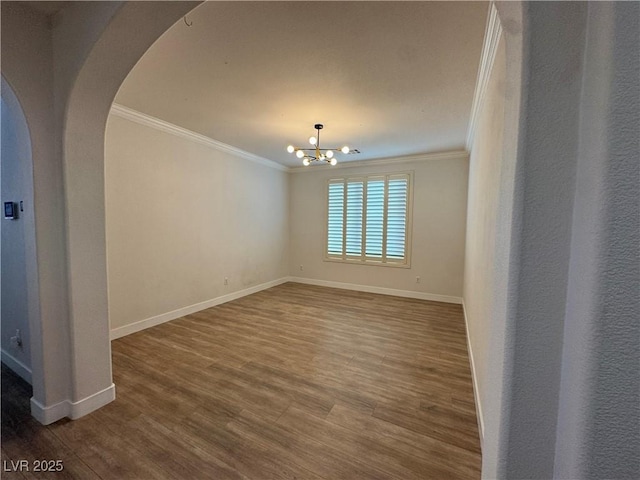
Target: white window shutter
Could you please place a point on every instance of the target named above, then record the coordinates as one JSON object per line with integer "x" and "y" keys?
{"x": 368, "y": 219}
{"x": 397, "y": 217}
{"x": 335, "y": 230}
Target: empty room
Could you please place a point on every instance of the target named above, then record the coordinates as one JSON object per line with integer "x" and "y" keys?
{"x": 319, "y": 240}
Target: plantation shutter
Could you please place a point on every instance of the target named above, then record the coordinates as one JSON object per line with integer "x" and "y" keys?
{"x": 397, "y": 217}
{"x": 368, "y": 219}
{"x": 375, "y": 218}
{"x": 335, "y": 218}
{"x": 355, "y": 204}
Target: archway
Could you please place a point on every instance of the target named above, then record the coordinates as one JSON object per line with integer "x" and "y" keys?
{"x": 129, "y": 33}
{"x": 66, "y": 120}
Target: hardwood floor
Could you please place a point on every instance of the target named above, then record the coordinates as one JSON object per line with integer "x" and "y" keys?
{"x": 294, "y": 382}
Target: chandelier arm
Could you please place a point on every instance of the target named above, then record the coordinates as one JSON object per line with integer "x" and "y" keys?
{"x": 316, "y": 154}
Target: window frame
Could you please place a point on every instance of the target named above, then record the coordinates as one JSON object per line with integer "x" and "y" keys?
{"x": 362, "y": 259}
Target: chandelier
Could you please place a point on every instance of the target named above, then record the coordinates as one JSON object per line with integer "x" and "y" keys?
{"x": 316, "y": 154}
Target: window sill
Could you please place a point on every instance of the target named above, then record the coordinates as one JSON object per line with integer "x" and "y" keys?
{"x": 370, "y": 263}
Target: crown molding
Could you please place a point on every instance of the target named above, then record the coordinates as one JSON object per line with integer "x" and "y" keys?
{"x": 422, "y": 157}
{"x": 153, "y": 122}
{"x": 492, "y": 35}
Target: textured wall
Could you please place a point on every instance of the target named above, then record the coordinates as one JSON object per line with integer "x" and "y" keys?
{"x": 495, "y": 409}
{"x": 599, "y": 417}
{"x": 181, "y": 216}
{"x": 564, "y": 396}
{"x": 548, "y": 139}
{"x": 485, "y": 167}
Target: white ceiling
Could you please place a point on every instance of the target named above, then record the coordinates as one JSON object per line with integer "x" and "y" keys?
{"x": 387, "y": 78}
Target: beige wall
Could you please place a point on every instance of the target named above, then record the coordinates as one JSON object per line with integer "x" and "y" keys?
{"x": 485, "y": 168}
{"x": 439, "y": 206}
{"x": 181, "y": 216}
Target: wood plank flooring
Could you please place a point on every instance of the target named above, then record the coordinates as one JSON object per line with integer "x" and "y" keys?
{"x": 294, "y": 382}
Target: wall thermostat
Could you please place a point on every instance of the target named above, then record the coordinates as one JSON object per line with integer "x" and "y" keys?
{"x": 10, "y": 211}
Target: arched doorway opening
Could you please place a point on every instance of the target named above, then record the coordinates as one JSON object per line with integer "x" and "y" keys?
{"x": 86, "y": 108}
{"x": 66, "y": 119}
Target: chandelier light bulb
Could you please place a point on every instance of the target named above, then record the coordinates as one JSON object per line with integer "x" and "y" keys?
{"x": 316, "y": 154}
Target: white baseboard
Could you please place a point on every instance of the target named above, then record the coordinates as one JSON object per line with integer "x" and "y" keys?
{"x": 16, "y": 365}
{"x": 476, "y": 392}
{"x": 181, "y": 312}
{"x": 50, "y": 414}
{"x": 380, "y": 290}
{"x": 92, "y": 402}
{"x": 72, "y": 410}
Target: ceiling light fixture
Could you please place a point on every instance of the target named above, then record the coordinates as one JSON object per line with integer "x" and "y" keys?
{"x": 317, "y": 154}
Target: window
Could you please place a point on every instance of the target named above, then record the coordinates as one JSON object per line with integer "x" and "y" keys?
{"x": 368, "y": 219}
